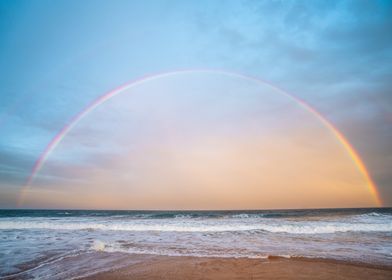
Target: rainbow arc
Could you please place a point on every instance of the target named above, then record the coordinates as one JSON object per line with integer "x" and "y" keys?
{"x": 77, "y": 118}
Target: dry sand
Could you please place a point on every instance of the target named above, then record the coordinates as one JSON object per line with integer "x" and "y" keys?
{"x": 160, "y": 267}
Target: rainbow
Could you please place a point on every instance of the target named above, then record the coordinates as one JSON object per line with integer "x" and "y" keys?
{"x": 94, "y": 104}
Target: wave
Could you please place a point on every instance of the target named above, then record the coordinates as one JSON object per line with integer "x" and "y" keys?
{"x": 49, "y": 261}
{"x": 114, "y": 247}
{"x": 226, "y": 214}
{"x": 375, "y": 214}
{"x": 290, "y": 228}
{"x": 258, "y": 215}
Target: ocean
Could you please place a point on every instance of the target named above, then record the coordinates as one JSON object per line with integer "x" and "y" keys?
{"x": 67, "y": 244}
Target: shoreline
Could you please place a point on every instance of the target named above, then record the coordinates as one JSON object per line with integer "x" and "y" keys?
{"x": 273, "y": 267}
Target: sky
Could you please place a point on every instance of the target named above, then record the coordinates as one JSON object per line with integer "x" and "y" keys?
{"x": 181, "y": 141}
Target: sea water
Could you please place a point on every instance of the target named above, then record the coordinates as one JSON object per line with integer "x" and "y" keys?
{"x": 61, "y": 244}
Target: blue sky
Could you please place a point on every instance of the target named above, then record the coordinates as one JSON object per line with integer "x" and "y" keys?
{"x": 57, "y": 56}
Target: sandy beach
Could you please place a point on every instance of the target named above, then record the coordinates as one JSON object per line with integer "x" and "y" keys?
{"x": 161, "y": 267}
{"x": 262, "y": 244}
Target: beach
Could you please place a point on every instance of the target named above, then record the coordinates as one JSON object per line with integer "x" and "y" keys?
{"x": 258, "y": 244}
{"x": 161, "y": 267}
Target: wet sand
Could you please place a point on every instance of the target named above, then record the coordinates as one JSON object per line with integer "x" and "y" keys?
{"x": 161, "y": 267}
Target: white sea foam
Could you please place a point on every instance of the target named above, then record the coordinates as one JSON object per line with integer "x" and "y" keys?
{"x": 243, "y": 216}
{"x": 320, "y": 227}
{"x": 113, "y": 247}
{"x": 98, "y": 245}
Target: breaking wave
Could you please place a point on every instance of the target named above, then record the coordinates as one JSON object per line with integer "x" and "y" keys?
{"x": 178, "y": 226}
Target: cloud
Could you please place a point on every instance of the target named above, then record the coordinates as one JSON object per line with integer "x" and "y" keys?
{"x": 14, "y": 166}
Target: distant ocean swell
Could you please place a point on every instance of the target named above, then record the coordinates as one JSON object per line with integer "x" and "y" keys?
{"x": 198, "y": 214}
